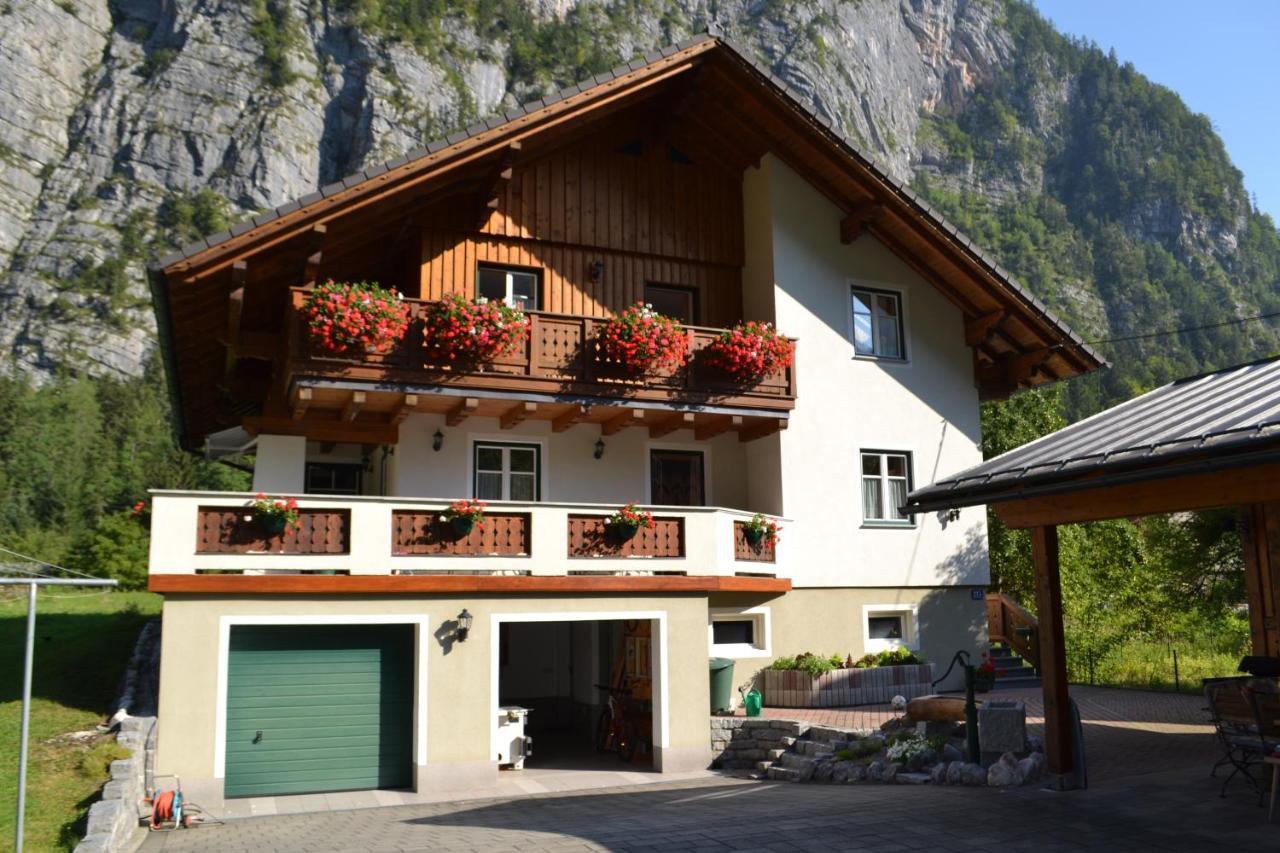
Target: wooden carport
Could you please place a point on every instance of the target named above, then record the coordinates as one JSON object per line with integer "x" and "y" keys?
{"x": 1198, "y": 443}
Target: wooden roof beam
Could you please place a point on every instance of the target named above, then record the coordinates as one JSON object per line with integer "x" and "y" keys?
{"x": 461, "y": 410}
{"x": 491, "y": 194}
{"x": 1004, "y": 375}
{"x": 318, "y": 429}
{"x": 407, "y": 406}
{"x": 860, "y": 216}
{"x": 354, "y": 404}
{"x": 631, "y": 417}
{"x": 315, "y": 251}
{"x": 668, "y": 425}
{"x": 979, "y": 329}
{"x": 574, "y": 414}
{"x": 235, "y": 302}
{"x": 301, "y": 402}
{"x": 516, "y": 414}
{"x": 761, "y": 428}
{"x": 719, "y": 425}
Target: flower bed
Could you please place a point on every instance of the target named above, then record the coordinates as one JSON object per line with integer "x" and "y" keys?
{"x": 352, "y": 317}
{"x": 813, "y": 681}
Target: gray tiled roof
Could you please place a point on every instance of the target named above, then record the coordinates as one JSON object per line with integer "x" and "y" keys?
{"x": 805, "y": 106}
{"x": 1227, "y": 412}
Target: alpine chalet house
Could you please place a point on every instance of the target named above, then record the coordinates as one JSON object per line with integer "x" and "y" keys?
{"x": 370, "y": 637}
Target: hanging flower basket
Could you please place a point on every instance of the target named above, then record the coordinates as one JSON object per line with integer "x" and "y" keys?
{"x": 623, "y": 525}
{"x": 750, "y": 351}
{"x": 456, "y": 330}
{"x": 464, "y": 516}
{"x": 641, "y": 340}
{"x": 352, "y": 317}
{"x": 275, "y": 515}
{"x": 761, "y": 530}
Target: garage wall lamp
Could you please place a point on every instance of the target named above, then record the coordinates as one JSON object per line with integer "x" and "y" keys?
{"x": 599, "y": 448}
{"x": 437, "y": 441}
{"x": 464, "y": 625}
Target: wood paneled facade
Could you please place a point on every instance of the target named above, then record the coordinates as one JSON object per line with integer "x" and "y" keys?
{"x": 641, "y": 206}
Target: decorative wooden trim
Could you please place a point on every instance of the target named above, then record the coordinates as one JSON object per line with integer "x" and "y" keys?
{"x": 233, "y": 530}
{"x": 303, "y": 584}
{"x": 354, "y": 404}
{"x": 419, "y": 533}
{"x": 745, "y": 551}
{"x": 301, "y": 402}
{"x": 324, "y": 430}
{"x": 461, "y": 410}
{"x": 671, "y": 423}
{"x": 862, "y": 215}
{"x": 516, "y": 414}
{"x": 589, "y": 537}
{"x": 632, "y": 417}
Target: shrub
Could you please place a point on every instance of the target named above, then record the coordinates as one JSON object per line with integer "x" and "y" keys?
{"x": 906, "y": 747}
{"x": 889, "y": 657}
{"x": 808, "y": 662}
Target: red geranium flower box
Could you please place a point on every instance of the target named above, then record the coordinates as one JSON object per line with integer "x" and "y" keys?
{"x": 346, "y": 317}
{"x": 750, "y": 351}
{"x": 640, "y": 340}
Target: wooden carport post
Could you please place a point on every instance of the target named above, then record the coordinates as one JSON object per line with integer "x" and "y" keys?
{"x": 1058, "y": 734}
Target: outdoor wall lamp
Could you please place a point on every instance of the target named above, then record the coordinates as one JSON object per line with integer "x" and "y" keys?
{"x": 599, "y": 448}
{"x": 595, "y": 271}
{"x": 437, "y": 441}
{"x": 464, "y": 625}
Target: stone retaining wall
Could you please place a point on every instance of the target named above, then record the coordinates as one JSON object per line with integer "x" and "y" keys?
{"x": 843, "y": 687}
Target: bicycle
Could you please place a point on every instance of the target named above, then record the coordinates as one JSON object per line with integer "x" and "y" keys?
{"x": 615, "y": 730}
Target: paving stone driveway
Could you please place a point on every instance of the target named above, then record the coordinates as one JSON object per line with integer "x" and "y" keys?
{"x": 1166, "y": 812}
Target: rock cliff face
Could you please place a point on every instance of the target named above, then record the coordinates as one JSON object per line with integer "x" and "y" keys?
{"x": 115, "y": 114}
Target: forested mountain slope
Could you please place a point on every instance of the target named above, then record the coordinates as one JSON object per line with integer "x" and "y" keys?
{"x": 128, "y": 126}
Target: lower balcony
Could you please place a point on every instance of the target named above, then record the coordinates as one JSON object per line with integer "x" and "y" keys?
{"x": 210, "y": 541}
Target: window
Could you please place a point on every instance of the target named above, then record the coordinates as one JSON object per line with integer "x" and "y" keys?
{"x": 678, "y": 303}
{"x": 889, "y": 626}
{"x": 886, "y": 479}
{"x": 507, "y": 472}
{"x": 877, "y": 324}
{"x": 739, "y": 632}
{"x": 518, "y": 288}
{"x": 333, "y": 478}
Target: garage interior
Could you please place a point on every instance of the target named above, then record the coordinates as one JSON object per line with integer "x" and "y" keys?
{"x": 556, "y": 670}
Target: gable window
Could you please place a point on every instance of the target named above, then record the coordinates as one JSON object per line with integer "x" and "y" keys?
{"x": 877, "y": 324}
{"x": 507, "y": 472}
{"x": 886, "y": 479}
{"x": 516, "y": 287}
{"x": 678, "y": 303}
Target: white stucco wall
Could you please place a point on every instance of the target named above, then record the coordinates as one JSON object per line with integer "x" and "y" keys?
{"x": 927, "y": 406}
{"x": 280, "y": 465}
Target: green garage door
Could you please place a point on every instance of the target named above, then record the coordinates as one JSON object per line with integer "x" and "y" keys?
{"x": 323, "y": 708}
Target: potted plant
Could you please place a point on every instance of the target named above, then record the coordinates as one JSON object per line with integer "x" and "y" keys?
{"x": 761, "y": 530}
{"x": 464, "y": 516}
{"x": 348, "y": 317}
{"x": 750, "y": 351}
{"x": 274, "y": 514}
{"x": 984, "y": 676}
{"x": 641, "y": 340}
{"x": 460, "y": 330}
{"x": 623, "y": 525}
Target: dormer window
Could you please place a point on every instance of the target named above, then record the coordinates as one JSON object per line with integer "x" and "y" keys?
{"x": 517, "y": 287}
{"x": 877, "y": 324}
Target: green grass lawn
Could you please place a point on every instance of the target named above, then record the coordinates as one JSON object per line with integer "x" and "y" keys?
{"x": 1148, "y": 664}
{"x": 83, "y": 642}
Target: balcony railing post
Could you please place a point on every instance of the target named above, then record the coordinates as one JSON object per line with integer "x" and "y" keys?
{"x": 533, "y": 362}
{"x": 588, "y": 350}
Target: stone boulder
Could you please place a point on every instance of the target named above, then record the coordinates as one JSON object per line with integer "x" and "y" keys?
{"x": 972, "y": 775}
{"x": 1005, "y": 773}
{"x": 1032, "y": 767}
{"x": 939, "y": 774}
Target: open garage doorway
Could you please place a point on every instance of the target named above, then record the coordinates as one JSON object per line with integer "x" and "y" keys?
{"x": 590, "y": 688}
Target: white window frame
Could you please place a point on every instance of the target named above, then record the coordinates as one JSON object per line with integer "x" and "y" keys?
{"x": 910, "y": 614}
{"x": 904, "y": 350}
{"x": 540, "y": 466}
{"x": 760, "y": 616}
{"x": 910, "y": 520}
{"x": 509, "y": 298}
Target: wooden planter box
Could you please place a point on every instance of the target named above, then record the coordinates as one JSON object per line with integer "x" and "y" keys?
{"x": 840, "y": 687}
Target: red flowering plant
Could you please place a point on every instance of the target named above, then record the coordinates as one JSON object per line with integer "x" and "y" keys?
{"x": 750, "y": 351}
{"x": 464, "y": 515}
{"x": 459, "y": 330}
{"x": 985, "y": 673}
{"x": 347, "y": 316}
{"x": 761, "y": 530}
{"x": 642, "y": 340}
{"x": 275, "y": 514}
{"x": 627, "y": 521}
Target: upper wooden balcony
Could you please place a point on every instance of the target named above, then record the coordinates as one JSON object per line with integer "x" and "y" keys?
{"x": 557, "y": 374}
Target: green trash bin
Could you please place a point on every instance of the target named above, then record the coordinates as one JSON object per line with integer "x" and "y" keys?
{"x": 721, "y": 683}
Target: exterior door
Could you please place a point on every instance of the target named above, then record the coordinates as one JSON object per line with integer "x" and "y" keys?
{"x": 319, "y": 708}
{"x": 676, "y": 478}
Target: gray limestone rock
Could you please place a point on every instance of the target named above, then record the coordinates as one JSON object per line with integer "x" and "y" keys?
{"x": 939, "y": 773}
{"x": 972, "y": 774}
{"x": 1005, "y": 773}
{"x": 1032, "y": 767}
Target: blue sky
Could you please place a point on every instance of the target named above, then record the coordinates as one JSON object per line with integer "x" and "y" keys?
{"x": 1222, "y": 57}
